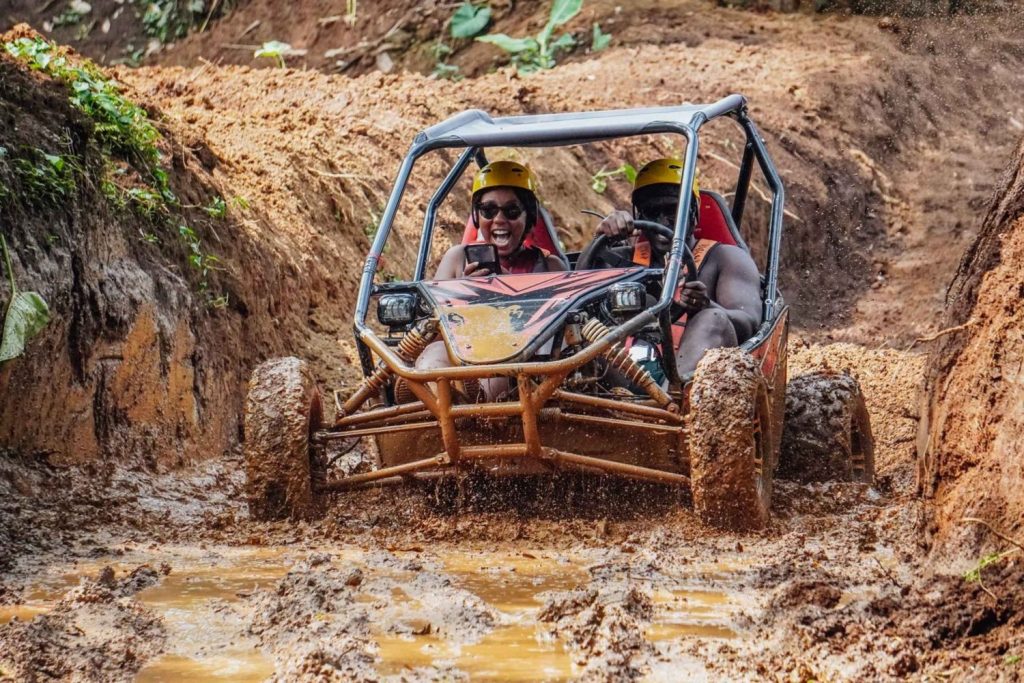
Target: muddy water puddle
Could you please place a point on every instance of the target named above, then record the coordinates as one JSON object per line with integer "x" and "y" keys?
{"x": 204, "y": 603}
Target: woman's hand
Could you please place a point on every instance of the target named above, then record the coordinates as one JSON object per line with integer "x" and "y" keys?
{"x": 473, "y": 269}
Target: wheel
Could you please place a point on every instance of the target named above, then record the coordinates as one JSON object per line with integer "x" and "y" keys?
{"x": 827, "y": 434}
{"x": 730, "y": 439}
{"x": 282, "y": 410}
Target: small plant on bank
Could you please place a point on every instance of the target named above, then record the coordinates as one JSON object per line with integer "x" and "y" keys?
{"x": 273, "y": 49}
{"x": 599, "y": 40}
{"x": 169, "y": 20}
{"x": 599, "y": 181}
{"x": 27, "y": 314}
{"x": 217, "y": 208}
{"x": 145, "y": 202}
{"x": 974, "y": 575}
{"x": 45, "y": 179}
{"x": 442, "y": 69}
{"x": 72, "y": 14}
{"x": 469, "y": 20}
{"x": 539, "y": 52}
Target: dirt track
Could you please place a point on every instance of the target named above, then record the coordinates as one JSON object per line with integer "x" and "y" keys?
{"x": 582, "y": 579}
{"x": 600, "y": 588}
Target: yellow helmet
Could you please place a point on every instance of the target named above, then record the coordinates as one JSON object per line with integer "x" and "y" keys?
{"x": 665, "y": 171}
{"x": 504, "y": 174}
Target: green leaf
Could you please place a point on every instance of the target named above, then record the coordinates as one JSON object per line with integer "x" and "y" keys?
{"x": 469, "y": 20}
{"x": 272, "y": 48}
{"x": 26, "y": 315}
{"x": 630, "y": 173}
{"x": 56, "y": 161}
{"x": 564, "y": 10}
{"x": 510, "y": 44}
{"x": 599, "y": 40}
{"x": 564, "y": 42}
{"x": 561, "y": 12}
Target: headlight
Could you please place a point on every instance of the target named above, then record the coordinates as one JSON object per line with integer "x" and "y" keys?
{"x": 626, "y": 299}
{"x": 394, "y": 310}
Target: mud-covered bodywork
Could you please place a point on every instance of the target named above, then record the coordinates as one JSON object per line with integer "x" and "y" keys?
{"x": 505, "y": 317}
{"x": 581, "y": 383}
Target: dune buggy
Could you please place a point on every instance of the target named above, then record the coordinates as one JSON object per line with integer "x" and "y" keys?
{"x": 553, "y": 335}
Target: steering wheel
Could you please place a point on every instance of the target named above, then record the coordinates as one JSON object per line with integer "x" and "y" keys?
{"x": 650, "y": 228}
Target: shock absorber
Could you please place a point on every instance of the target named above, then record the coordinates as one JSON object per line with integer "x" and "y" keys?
{"x": 618, "y": 356}
{"x": 409, "y": 349}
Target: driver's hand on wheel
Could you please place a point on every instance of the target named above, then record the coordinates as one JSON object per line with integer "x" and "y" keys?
{"x": 694, "y": 296}
{"x": 617, "y": 224}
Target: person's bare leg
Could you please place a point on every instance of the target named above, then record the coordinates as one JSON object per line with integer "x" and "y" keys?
{"x": 433, "y": 357}
{"x": 707, "y": 329}
{"x": 436, "y": 356}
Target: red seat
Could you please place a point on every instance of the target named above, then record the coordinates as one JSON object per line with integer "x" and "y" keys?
{"x": 714, "y": 221}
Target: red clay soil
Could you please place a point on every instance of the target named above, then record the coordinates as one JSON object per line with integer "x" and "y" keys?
{"x": 972, "y": 429}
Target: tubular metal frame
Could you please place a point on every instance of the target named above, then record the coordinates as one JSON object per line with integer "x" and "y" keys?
{"x": 539, "y": 382}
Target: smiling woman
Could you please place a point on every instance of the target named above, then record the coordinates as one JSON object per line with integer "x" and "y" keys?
{"x": 504, "y": 208}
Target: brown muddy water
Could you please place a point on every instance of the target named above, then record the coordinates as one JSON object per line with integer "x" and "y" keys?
{"x": 206, "y": 599}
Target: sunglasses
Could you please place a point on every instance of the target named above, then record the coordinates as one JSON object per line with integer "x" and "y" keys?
{"x": 511, "y": 211}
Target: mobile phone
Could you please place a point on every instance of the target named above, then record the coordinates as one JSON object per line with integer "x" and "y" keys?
{"x": 486, "y": 255}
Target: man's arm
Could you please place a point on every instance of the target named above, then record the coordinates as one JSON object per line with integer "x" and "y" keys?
{"x": 737, "y": 291}
{"x": 554, "y": 263}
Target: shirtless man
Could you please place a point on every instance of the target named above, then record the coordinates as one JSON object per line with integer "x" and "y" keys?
{"x": 723, "y": 304}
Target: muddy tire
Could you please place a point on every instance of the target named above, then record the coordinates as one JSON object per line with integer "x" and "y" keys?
{"x": 827, "y": 435}
{"x": 731, "y": 441}
{"x": 282, "y": 410}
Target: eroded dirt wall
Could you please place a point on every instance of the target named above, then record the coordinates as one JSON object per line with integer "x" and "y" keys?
{"x": 134, "y": 365}
{"x": 971, "y": 441}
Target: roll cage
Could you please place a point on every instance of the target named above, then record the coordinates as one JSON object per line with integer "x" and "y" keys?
{"x": 473, "y": 131}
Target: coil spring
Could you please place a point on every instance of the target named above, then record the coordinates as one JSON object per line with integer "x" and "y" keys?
{"x": 409, "y": 349}
{"x": 415, "y": 340}
{"x": 619, "y": 358}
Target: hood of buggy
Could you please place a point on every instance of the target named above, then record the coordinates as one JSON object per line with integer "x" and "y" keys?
{"x": 494, "y": 319}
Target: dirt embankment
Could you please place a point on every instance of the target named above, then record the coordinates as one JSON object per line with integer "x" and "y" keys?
{"x": 135, "y": 366}
{"x": 971, "y": 440}
{"x": 847, "y": 134}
